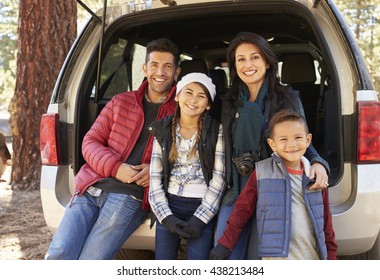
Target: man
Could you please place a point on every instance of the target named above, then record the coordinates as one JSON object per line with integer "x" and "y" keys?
{"x": 110, "y": 200}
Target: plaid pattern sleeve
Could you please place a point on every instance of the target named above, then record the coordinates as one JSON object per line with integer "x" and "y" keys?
{"x": 157, "y": 197}
{"x": 211, "y": 200}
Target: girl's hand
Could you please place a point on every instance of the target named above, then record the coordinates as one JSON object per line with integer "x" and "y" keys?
{"x": 318, "y": 172}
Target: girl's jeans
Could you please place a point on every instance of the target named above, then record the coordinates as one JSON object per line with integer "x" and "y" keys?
{"x": 167, "y": 243}
{"x": 96, "y": 227}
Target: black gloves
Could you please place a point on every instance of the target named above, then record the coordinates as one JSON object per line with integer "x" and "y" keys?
{"x": 219, "y": 253}
{"x": 175, "y": 225}
{"x": 195, "y": 227}
{"x": 190, "y": 229}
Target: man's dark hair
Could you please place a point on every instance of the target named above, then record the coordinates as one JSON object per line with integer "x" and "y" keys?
{"x": 163, "y": 45}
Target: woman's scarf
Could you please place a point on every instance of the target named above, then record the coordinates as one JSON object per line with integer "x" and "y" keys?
{"x": 249, "y": 126}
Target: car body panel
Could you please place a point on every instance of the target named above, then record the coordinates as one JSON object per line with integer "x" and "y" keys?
{"x": 355, "y": 188}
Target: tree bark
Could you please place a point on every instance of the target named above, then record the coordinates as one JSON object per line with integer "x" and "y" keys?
{"x": 47, "y": 28}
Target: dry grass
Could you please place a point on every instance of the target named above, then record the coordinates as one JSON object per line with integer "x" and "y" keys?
{"x": 23, "y": 231}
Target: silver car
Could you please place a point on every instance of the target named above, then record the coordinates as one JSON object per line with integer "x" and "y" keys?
{"x": 317, "y": 56}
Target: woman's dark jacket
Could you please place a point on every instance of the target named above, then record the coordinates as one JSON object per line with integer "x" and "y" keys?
{"x": 227, "y": 116}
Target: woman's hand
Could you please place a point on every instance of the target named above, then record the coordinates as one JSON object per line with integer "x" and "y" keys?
{"x": 318, "y": 172}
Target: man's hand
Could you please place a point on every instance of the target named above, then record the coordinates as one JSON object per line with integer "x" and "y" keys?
{"x": 142, "y": 176}
{"x": 138, "y": 174}
{"x": 125, "y": 173}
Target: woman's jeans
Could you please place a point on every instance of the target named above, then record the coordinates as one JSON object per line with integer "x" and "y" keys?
{"x": 96, "y": 227}
{"x": 239, "y": 252}
{"x": 167, "y": 243}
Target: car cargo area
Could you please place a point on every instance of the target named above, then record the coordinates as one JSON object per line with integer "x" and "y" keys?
{"x": 203, "y": 36}
{"x": 317, "y": 56}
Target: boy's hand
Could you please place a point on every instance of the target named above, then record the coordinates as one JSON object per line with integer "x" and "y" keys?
{"x": 318, "y": 172}
{"x": 219, "y": 253}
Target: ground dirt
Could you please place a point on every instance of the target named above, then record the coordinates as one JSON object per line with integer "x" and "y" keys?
{"x": 23, "y": 231}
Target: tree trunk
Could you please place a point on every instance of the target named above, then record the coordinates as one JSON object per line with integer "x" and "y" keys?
{"x": 47, "y": 28}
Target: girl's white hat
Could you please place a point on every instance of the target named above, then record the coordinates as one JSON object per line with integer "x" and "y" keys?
{"x": 198, "y": 78}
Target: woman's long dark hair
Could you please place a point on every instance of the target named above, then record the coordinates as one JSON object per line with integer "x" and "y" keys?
{"x": 276, "y": 92}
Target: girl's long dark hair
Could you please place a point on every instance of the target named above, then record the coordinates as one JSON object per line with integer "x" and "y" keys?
{"x": 276, "y": 92}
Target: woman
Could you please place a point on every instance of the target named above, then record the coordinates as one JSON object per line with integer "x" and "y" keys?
{"x": 255, "y": 96}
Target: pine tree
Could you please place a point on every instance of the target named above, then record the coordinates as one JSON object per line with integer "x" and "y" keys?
{"x": 47, "y": 28}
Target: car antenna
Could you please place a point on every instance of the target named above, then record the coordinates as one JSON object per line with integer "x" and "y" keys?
{"x": 103, "y": 22}
{"x": 89, "y": 10}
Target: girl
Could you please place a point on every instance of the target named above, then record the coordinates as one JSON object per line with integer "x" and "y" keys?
{"x": 187, "y": 171}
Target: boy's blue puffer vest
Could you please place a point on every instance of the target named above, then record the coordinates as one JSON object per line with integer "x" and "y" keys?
{"x": 273, "y": 211}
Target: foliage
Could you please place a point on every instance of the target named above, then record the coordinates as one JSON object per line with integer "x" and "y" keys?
{"x": 363, "y": 17}
{"x": 8, "y": 44}
{"x": 8, "y": 47}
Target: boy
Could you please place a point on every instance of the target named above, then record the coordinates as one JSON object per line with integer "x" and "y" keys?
{"x": 292, "y": 221}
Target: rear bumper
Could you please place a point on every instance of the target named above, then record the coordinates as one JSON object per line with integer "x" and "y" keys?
{"x": 357, "y": 228}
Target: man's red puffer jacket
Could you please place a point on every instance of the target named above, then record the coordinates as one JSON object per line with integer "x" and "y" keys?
{"x": 113, "y": 135}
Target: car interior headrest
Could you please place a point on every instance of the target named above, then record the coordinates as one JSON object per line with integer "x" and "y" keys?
{"x": 298, "y": 68}
{"x": 195, "y": 65}
{"x": 219, "y": 78}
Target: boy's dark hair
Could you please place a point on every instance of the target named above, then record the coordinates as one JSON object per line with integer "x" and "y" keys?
{"x": 163, "y": 45}
{"x": 283, "y": 116}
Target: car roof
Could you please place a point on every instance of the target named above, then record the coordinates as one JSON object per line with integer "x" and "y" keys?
{"x": 202, "y": 32}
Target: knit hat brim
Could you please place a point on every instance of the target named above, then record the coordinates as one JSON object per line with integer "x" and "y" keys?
{"x": 198, "y": 78}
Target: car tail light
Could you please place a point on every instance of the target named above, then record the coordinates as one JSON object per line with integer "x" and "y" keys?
{"x": 368, "y": 131}
{"x": 49, "y": 142}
